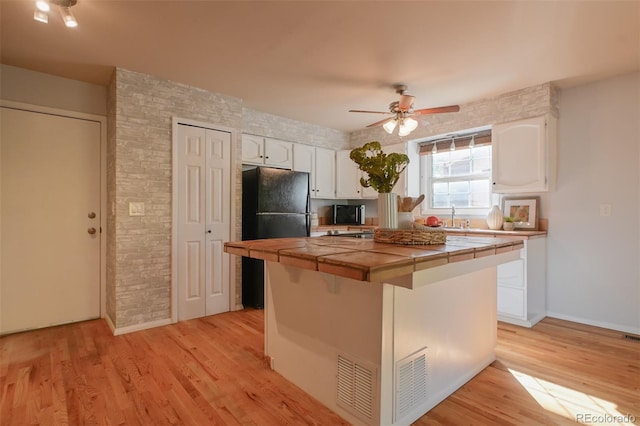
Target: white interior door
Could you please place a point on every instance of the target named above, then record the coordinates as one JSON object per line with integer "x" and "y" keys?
{"x": 50, "y": 200}
{"x": 204, "y": 219}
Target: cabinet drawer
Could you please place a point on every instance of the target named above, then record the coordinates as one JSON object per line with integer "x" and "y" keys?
{"x": 511, "y": 274}
{"x": 511, "y": 302}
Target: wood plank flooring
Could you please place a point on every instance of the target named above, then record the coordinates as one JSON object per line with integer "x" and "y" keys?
{"x": 211, "y": 371}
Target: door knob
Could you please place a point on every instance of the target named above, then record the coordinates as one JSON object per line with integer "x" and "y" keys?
{"x": 91, "y": 215}
{"x": 91, "y": 231}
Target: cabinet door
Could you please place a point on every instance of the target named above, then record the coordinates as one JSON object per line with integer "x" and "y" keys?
{"x": 252, "y": 149}
{"x": 520, "y": 156}
{"x": 347, "y": 176}
{"x": 278, "y": 153}
{"x": 511, "y": 274}
{"x": 325, "y": 173}
{"x": 304, "y": 157}
{"x": 511, "y": 302}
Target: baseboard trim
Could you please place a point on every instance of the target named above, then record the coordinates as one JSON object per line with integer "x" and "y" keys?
{"x": 137, "y": 327}
{"x": 601, "y": 324}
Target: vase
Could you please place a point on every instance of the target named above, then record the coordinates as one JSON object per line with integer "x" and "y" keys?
{"x": 405, "y": 220}
{"x": 387, "y": 210}
{"x": 495, "y": 218}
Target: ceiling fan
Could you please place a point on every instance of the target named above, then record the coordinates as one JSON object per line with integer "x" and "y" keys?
{"x": 402, "y": 113}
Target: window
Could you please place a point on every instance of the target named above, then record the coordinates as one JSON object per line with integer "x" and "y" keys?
{"x": 460, "y": 178}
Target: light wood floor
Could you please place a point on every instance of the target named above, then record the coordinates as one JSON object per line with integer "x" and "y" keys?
{"x": 212, "y": 371}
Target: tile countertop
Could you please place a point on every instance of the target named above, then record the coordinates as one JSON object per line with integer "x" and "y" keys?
{"x": 497, "y": 233}
{"x": 367, "y": 260}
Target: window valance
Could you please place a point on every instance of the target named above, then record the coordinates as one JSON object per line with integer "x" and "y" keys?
{"x": 461, "y": 141}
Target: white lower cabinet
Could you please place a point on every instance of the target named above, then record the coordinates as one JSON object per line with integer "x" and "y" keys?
{"x": 522, "y": 285}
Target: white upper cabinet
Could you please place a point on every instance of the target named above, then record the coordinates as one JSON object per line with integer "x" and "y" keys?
{"x": 524, "y": 155}
{"x": 325, "y": 173}
{"x": 267, "y": 152}
{"x": 320, "y": 164}
{"x": 347, "y": 176}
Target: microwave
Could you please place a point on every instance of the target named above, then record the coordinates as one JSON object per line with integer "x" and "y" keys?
{"x": 344, "y": 214}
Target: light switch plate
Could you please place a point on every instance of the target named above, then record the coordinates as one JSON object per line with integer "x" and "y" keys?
{"x": 136, "y": 209}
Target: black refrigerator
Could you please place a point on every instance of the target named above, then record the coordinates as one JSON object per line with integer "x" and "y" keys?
{"x": 275, "y": 204}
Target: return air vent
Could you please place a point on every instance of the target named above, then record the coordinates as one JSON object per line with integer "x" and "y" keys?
{"x": 356, "y": 388}
{"x": 411, "y": 383}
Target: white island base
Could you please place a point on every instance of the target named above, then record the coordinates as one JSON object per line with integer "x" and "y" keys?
{"x": 382, "y": 353}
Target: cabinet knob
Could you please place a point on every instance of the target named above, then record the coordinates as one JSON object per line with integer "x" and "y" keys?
{"x": 91, "y": 231}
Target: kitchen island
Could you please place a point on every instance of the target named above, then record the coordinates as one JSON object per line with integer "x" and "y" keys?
{"x": 379, "y": 333}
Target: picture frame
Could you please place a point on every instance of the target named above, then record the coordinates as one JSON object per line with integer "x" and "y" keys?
{"x": 524, "y": 210}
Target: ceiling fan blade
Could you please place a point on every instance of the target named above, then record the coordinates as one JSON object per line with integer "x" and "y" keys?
{"x": 438, "y": 110}
{"x": 381, "y": 122}
{"x": 405, "y": 102}
{"x": 370, "y": 112}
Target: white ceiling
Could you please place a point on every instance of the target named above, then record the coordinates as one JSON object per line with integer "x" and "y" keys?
{"x": 314, "y": 60}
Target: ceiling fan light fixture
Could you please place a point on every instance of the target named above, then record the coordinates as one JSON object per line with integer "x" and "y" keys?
{"x": 390, "y": 125}
{"x": 411, "y": 124}
{"x": 67, "y": 16}
{"x": 41, "y": 16}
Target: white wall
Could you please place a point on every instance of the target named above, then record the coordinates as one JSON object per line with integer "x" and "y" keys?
{"x": 593, "y": 272}
{"x": 36, "y": 88}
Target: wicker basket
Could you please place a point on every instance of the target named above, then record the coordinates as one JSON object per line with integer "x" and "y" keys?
{"x": 417, "y": 235}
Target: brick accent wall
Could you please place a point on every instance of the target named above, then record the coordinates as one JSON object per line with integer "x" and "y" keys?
{"x": 272, "y": 126}
{"x": 141, "y": 109}
{"x": 530, "y": 102}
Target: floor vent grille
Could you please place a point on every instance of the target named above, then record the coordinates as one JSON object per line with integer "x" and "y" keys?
{"x": 356, "y": 388}
{"x": 411, "y": 383}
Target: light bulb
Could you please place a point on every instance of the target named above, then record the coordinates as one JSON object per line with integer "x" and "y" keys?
{"x": 453, "y": 145}
{"x": 403, "y": 130}
{"x": 434, "y": 150}
{"x": 411, "y": 124}
{"x": 43, "y": 5}
{"x": 67, "y": 16}
{"x": 390, "y": 125}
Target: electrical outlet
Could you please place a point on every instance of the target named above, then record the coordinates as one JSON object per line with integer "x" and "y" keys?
{"x": 605, "y": 210}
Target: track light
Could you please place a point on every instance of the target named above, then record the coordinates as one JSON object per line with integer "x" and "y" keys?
{"x": 43, "y": 7}
{"x": 67, "y": 16}
{"x": 41, "y": 16}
